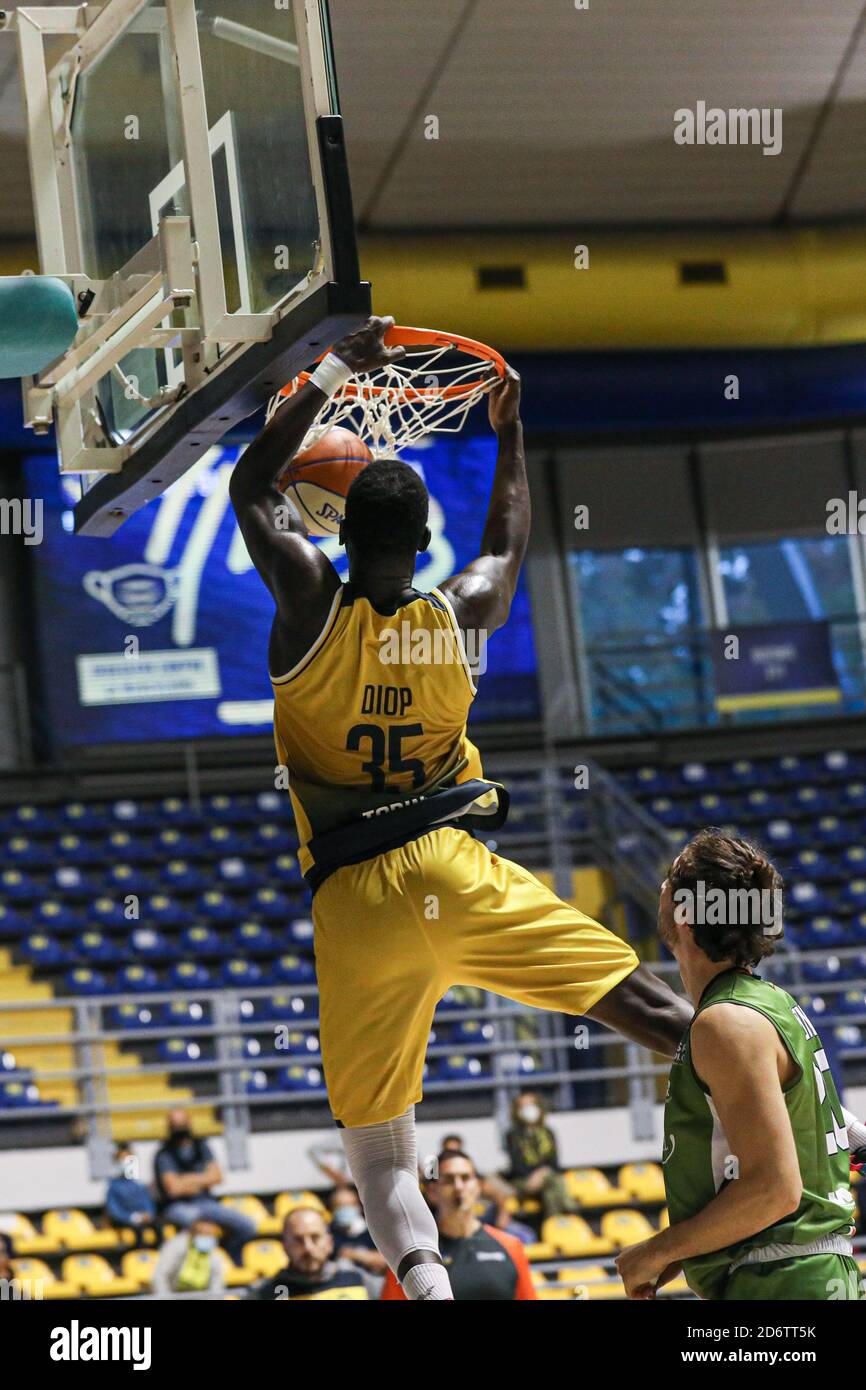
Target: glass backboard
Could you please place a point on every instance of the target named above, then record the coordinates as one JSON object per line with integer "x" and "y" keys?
{"x": 195, "y": 197}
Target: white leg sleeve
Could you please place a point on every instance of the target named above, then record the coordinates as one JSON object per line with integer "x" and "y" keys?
{"x": 384, "y": 1163}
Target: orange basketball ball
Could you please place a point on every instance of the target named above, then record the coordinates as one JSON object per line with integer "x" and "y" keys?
{"x": 318, "y": 479}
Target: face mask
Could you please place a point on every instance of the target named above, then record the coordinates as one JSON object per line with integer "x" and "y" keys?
{"x": 204, "y": 1243}
{"x": 180, "y": 1136}
{"x": 348, "y": 1218}
{"x": 529, "y": 1114}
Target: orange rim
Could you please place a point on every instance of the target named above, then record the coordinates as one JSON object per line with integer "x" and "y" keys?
{"x": 418, "y": 337}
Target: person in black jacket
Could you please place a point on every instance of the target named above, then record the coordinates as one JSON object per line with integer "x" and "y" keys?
{"x": 534, "y": 1158}
{"x": 186, "y": 1173}
{"x": 312, "y": 1271}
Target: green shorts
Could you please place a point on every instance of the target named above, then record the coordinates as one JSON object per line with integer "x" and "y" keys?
{"x": 827, "y": 1278}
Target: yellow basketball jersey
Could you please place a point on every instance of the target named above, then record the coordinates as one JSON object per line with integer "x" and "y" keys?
{"x": 371, "y": 725}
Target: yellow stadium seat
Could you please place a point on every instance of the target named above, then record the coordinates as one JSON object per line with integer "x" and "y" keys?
{"x": 664, "y": 1219}
{"x": 73, "y": 1230}
{"x": 551, "y": 1294}
{"x": 264, "y": 1258}
{"x": 539, "y": 1250}
{"x": 526, "y": 1206}
{"x": 643, "y": 1181}
{"x": 236, "y": 1277}
{"x": 285, "y": 1202}
{"x": 624, "y": 1228}
{"x": 591, "y": 1188}
{"x": 37, "y": 1279}
{"x": 538, "y": 1278}
{"x": 139, "y": 1265}
{"x": 255, "y": 1209}
{"x": 27, "y": 1239}
{"x": 571, "y": 1235}
{"x": 93, "y": 1275}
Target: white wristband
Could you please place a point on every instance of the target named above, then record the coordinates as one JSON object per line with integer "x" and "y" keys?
{"x": 331, "y": 374}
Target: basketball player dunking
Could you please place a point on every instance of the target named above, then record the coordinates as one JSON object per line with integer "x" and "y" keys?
{"x": 387, "y": 789}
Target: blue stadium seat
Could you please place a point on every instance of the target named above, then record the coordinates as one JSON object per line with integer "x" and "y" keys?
{"x": 86, "y": 982}
{"x": 179, "y": 876}
{"x": 713, "y": 807}
{"x": 857, "y": 927}
{"x": 107, "y": 912}
{"x": 813, "y": 864}
{"x": 297, "y": 1077}
{"x": 55, "y": 915}
{"x": 203, "y": 940}
{"x": 790, "y": 768}
{"x": 190, "y": 974}
{"x": 175, "y": 811}
{"x": 254, "y": 939}
{"x": 471, "y": 1032}
{"x": 96, "y": 948}
{"x": 175, "y": 1050}
{"x": 821, "y": 970}
{"x": 284, "y": 1008}
{"x": 240, "y": 974}
{"x": 665, "y": 810}
{"x": 273, "y": 806}
{"x": 131, "y": 815}
{"x": 19, "y": 1095}
{"x": 138, "y": 979}
{"x": 298, "y": 1044}
{"x": 237, "y": 873}
{"x": 18, "y": 886}
{"x": 292, "y": 970}
{"x": 852, "y": 1002}
{"x": 215, "y": 906}
{"x": 697, "y": 776}
{"x": 811, "y": 801}
{"x": 458, "y": 1068}
{"x": 176, "y": 842}
{"x": 804, "y": 896}
{"x": 182, "y": 1013}
{"x": 743, "y": 772}
{"x": 300, "y": 933}
{"x": 222, "y": 840}
{"x": 650, "y": 781}
{"x": 149, "y": 944}
{"x": 12, "y": 924}
{"x": 162, "y": 910}
{"x": 69, "y": 880}
{"x": 853, "y": 894}
{"x": 32, "y": 820}
{"x": 132, "y": 1016}
{"x": 21, "y": 850}
{"x": 41, "y": 949}
{"x": 128, "y": 848}
{"x": 847, "y": 1036}
{"x": 126, "y": 878}
{"x": 254, "y": 1082}
{"x": 780, "y": 834}
{"x": 854, "y": 859}
{"x": 518, "y": 1064}
{"x": 762, "y": 803}
{"x": 271, "y": 904}
{"x": 853, "y": 796}
{"x": 838, "y": 763}
{"x": 286, "y": 869}
{"x": 823, "y": 931}
{"x": 833, "y": 831}
{"x": 81, "y": 818}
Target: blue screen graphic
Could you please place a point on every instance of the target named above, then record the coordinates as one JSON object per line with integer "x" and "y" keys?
{"x": 161, "y": 631}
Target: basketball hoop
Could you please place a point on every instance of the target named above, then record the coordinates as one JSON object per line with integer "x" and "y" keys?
{"x": 431, "y": 391}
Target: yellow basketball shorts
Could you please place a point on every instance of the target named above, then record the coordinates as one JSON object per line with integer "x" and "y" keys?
{"x": 393, "y": 933}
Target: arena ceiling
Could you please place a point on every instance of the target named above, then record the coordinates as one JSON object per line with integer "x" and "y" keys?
{"x": 550, "y": 116}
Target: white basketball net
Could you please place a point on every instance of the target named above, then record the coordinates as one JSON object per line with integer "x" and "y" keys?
{"x": 399, "y": 404}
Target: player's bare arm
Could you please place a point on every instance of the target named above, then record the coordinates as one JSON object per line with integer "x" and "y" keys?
{"x": 740, "y": 1058}
{"x": 298, "y": 574}
{"x": 482, "y": 593}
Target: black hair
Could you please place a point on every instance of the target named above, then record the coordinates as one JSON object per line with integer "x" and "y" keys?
{"x": 386, "y": 508}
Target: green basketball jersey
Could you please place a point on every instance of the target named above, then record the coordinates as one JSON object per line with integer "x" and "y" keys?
{"x": 697, "y": 1156}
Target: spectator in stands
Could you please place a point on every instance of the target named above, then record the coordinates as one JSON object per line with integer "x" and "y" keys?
{"x": 484, "y": 1263}
{"x": 128, "y": 1202}
{"x": 534, "y": 1158}
{"x": 496, "y": 1193}
{"x": 352, "y": 1240}
{"x": 190, "y": 1263}
{"x": 312, "y": 1271}
{"x": 186, "y": 1173}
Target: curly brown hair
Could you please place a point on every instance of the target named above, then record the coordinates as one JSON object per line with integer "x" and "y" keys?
{"x": 714, "y": 860}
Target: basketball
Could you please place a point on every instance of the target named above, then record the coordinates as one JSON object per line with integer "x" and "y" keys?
{"x": 318, "y": 478}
